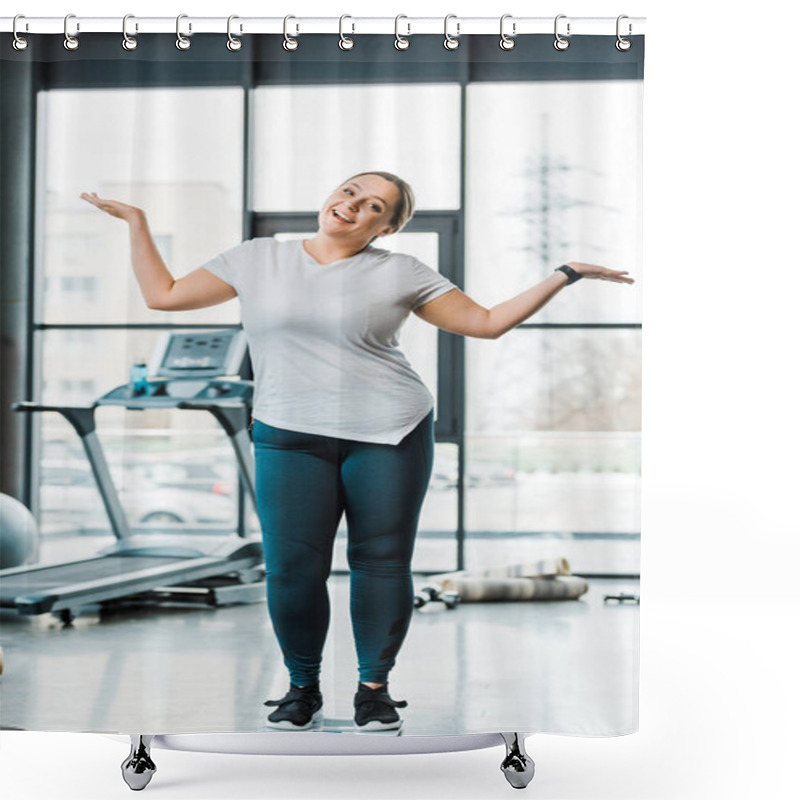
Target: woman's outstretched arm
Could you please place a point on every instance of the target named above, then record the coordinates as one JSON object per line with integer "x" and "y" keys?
{"x": 198, "y": 289}
{"x": 458, "y": 313}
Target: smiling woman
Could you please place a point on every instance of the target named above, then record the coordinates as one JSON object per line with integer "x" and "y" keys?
{"x": 364, "y": 207}
{"x": 342, "y": 423}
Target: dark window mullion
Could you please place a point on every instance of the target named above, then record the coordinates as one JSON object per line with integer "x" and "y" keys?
{"x": 576, "y": 325}
{"x": 133, "y": 326}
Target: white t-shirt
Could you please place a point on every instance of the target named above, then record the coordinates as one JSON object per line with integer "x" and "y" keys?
{"x": 323, "y": 338}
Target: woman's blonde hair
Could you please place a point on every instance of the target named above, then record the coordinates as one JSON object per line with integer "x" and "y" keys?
{"x": 404, "y": 209}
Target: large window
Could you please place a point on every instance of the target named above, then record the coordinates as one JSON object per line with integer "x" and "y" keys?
{"x": 177, "y": 154}
{"x": 308, "y": 139}
{"x": 542, "y": 190}
{"x": 538, "y": 450}
{"x": 553, "y": 408}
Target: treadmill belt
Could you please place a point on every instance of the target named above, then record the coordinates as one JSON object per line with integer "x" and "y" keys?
{"x": 95, "y": 569}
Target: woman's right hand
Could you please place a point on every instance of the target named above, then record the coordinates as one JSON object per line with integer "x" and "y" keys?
{"x": 112, "y": 207}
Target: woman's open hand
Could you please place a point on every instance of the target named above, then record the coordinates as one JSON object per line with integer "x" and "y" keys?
{"x": 603, "y": 273}
{"x": 112, "y": 207}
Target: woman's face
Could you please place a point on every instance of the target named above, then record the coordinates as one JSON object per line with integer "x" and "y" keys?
{"x": 360, "y": 209}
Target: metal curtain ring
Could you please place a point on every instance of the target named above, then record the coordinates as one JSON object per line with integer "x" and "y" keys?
{"x": 507, "y": 42}
{"x": 623, "y": 44}
{"x": 345, "y": 42}
{"x": 233, "y": 44}
{"x": 561, "y": 43}
{"x": 451, "y": 42}
{"x": 182, "y": 43}
{"x": 400, "y": 42}
{"x": 129, "y": 42}
{"x": 288, "y": 42}
{"x": 19, "y": 43}
{"x": 70, "y": 42}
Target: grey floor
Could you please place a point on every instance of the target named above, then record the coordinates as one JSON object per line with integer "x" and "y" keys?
{"x": 566, "y": 667}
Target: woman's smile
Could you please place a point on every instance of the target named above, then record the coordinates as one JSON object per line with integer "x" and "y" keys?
{"x": 352, "y": 216}
{"x": 340, "y": 215}
{"x": 366, "y": 205}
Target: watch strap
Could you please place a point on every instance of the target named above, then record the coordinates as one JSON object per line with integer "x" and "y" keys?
{"x": 571, "y": 274}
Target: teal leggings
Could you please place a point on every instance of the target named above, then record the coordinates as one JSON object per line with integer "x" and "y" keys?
{"x": 304, "y": 482}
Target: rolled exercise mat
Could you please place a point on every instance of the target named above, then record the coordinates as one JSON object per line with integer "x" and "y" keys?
{"x": 475, "y": 590}
{"x": 546, "y": 568}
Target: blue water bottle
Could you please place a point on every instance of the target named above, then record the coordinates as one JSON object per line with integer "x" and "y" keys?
{"x": 138, "y": 379}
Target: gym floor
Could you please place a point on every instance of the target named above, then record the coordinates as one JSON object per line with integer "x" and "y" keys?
{"x": 568, "y": 666}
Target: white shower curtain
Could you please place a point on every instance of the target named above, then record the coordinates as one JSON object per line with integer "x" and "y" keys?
{"x": 521, "y": 160}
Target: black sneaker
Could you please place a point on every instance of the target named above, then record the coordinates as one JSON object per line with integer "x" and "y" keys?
{"x": 375, "y": 710}
{"x": 298, "y": 710}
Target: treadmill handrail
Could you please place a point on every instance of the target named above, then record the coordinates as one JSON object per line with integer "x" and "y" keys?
{"x": 83, "y": 421}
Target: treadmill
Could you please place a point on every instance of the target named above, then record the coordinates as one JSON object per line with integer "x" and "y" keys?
{"x": 187, "y": 371}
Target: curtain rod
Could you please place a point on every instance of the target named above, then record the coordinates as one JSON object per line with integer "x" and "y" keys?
{"x": 406, "y": 26}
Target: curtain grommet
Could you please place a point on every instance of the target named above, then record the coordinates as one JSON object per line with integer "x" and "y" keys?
{"x": 507, "y": 42}
{"x": 451, "y": 42}
{"x": 289, "y": 43}
{"x": 129, "y": 42}
{"x": 401, "y": 42}
{"x": 560, "y": 42}
{"x": 345, "y": 42}
{"x": 71, "y": 43}
{"x": 20, "y": 43}
{"x": 233, "y": 44}
{"x": 182, "y": 43}
{"x": 622, "y": 44}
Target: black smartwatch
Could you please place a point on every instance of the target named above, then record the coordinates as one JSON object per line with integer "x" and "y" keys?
{"x": 572, "y": 276}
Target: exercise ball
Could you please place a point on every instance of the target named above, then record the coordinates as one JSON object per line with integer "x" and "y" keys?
{"x": 18, "y": 533}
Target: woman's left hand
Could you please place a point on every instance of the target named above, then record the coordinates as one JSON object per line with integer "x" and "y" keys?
{"x": 603, "y": 273}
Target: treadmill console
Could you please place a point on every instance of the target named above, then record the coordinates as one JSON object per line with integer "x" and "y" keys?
{"x": 199, "y": 354}
{"x": 194, "y": 366}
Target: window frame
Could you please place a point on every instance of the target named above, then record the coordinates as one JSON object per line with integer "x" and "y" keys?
{"x": 266, "y": 63}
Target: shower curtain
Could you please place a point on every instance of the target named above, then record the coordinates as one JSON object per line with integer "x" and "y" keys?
{"x": 521, "y": 608}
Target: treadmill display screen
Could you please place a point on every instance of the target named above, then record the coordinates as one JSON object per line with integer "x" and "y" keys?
{"x": 201, "y": 353}
{"x": 196, "y": 352}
